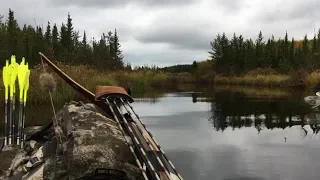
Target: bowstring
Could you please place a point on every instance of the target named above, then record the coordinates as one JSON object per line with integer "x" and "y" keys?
{"x": 56, "y": 129}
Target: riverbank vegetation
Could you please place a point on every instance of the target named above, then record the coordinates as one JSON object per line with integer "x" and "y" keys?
{"x": 145, "y": 82}
{"x": 274, "y": 62}
{"x": 232, "y": 61}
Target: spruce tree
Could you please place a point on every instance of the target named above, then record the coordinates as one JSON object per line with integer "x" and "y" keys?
{"x": 314, "y": 44}
{"x": 318, "y": 40}
{"x": 305, "y": 53}
{"x": 259, "y": 50}
{"x": 117, "y": 51}
{"x": 241, "y": 54}
{"x": 69, "y": 33}
{"x": 48, "y": 34}
{"x": 291, "y": 53}
{"x": 216, "y": 53}
{"x": 55, "y": 40}
{"x": 84, "y": 39}
{"x": 286, "y": 47}
{"x": 12, "y": 31}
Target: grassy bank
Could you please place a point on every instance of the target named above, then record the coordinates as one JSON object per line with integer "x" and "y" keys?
{"x": 142, "y": 83}
{"x": 270, "y": 78}
{"x": 259, "y": 80}
{"x": 151, "y": 83}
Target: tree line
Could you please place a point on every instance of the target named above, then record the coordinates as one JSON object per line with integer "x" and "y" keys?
{"x": 237, "y": 55}
{"x": 62, "y": 44}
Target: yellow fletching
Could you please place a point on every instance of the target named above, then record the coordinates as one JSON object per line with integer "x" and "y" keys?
{"x": 5, "y": 80}
{"x": 13, "y": 75}
{"x": 5, "y": 77}
{"x": 26, "y": 86}
{"x": 23, "y": 61}
{"x": 21, "y": 77}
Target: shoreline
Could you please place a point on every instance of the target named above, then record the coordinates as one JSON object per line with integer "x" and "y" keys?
{"x": 152, "y": 83}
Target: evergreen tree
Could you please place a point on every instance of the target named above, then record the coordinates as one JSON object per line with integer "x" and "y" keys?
{"x": 234, "y": 49}
{"x": 305, "y": 52}
{"x": 84, "y": 39}
{"x": 117, "y": 52}
{"x": 313, "y": 58}
{"x": 63, "y": 45}
{"x": 69, "y": 34}
{"x": 12, "y": 30}
{"x": 318, "y": 40}
{"x": 85, "y": 54}
{"x": 314, "y": 44}
{"x": 291, "y": 53}
{"x": 55, "y": 40}
{"x": 63, "y": 36}
{"x": 240, "y": 60}
{"x": 194, "y": 66}
{"x": 48, "y": 34}
{"x": 286, "y": 47}
{"x": 259, "y": 50}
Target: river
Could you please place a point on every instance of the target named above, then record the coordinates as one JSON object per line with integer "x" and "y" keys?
{"x": 230, "y": 132}
{"x": 234, "y": 133}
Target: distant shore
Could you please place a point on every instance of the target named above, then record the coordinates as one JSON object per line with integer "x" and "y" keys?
{"x": 260, "y": 77}
{"x": 149, "y": 83}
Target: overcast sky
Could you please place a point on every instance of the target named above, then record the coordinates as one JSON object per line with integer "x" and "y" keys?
{"x": 166, "y": 32}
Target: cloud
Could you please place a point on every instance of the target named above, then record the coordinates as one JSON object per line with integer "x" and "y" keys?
{"x": 186, "y": 35}
{"x": 276, "y": 17}
{"x": 121, "y": 3}
{"x": 297, "y": 10}
{"x": 189, "y": 28}
{"x": 231, "y": 5}
{"x": 165, "y": 32}
{"x": 161, "y": 54}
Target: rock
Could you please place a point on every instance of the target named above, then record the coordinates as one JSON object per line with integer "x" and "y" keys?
{"x": 312, "y": 100}
{"x": 91, "y": 141}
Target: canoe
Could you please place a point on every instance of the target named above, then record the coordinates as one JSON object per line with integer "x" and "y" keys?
{"x": 109, "y": 98}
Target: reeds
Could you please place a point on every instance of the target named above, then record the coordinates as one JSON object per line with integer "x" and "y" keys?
{"x": 255, "y": 80}
{"x": 140, "y": 82}
{"x": 149, "y": 82}
{"x": 313, "y": 79}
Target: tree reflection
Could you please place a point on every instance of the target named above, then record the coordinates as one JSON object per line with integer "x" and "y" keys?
{"x": 237, "y": 110}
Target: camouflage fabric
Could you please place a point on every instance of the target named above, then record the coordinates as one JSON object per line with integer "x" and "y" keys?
{"x": 92, "y": 141}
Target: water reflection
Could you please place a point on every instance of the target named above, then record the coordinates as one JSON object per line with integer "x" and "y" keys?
{"x": 232, "y": 132}
{"x": 261, "y": 108}
{"x": 237, "y": 110}
{"x": 237, "y": 133}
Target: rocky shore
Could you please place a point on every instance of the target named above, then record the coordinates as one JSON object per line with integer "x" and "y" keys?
{"x": 90, "y": 141}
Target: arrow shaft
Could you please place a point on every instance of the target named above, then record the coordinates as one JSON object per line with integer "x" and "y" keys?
{"x": 10, "y": 122}
{"x": 13, "y": 119}
{"x": 23, "y": 136}
{"x": 19, "y": 134}
{"x": 6, "y": 122}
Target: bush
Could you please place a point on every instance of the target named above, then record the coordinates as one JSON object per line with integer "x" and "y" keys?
{"x": 311, "y": 80}
{"x": 262, "y": 71}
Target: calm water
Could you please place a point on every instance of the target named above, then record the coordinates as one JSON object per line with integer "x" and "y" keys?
{"x": 236, "y": 134}
{"x": 231, "y": 133}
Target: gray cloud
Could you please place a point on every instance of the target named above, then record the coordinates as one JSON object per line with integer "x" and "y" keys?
{"x": 181, "y": 37}
{"x": 231, "y": 5}
{"x": 120, "y": 3}
{"x": 306, "y": 11}
{"x": 297, "y": 17}
{"x": 181, "y": 30}
{"x": 169, "y": 32}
